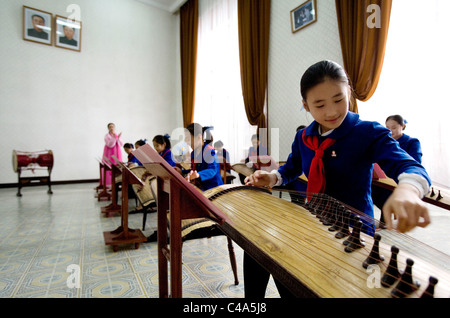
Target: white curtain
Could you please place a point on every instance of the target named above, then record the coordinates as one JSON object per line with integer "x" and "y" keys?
{"x": 219, "y": 101}
{"x": 415, "y": 80}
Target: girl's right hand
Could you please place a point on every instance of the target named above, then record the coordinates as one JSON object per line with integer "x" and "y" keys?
{"x": 261, "y": 179}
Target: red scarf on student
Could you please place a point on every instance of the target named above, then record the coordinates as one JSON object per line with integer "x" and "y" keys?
{"x": 316, "y": 178}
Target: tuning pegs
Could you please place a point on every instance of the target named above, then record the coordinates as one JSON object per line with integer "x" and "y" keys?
{"x": 439, "y": 197}
{"x": 344, "y": 225}
{"x": 354, "y": 241}
{"x": 374, "y": 256}
{"x": 406, "y": 285}
{"x": 392, "y": 273}
{"x": 339, "y": 219}
{"x": 429, "y": 292}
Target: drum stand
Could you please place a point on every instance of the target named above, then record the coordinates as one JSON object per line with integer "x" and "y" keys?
{"x": 26, "y": 181}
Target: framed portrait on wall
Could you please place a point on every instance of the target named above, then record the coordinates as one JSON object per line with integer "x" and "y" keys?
{"x": 37, "y": 26}
{"x": 67, "y": 33}
{"x": 303, "y": 15}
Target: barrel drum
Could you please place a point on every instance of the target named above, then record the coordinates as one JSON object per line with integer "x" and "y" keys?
{"x": 39, "y": 160}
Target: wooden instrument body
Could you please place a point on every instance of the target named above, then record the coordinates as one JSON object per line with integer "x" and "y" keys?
{"x": 294, "y": 246}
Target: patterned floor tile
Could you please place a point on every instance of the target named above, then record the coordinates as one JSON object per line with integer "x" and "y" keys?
{"x": 53, "y": 278}
{"x": 127, "y": 286}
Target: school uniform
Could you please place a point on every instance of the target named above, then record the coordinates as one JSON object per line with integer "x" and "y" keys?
{"x": 411, "y": 146}
{"x": 207, "y": 165}
{"x": 133, "y": 159}
{"x": 167, "y": 155}
{"x": 349, "y": 161}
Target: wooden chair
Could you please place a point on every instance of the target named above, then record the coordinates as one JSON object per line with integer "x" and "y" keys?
{"x": 224, "y": 166}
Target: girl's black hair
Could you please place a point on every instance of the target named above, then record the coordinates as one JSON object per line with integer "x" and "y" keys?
{"x": 128, "y": 145}
{"x": 141, "y": 142}
{"x": 319, "y": 72}
{"x": 195, "y": 129}
{"x": 399, "y": 119}
{"x": 160, "y": 140}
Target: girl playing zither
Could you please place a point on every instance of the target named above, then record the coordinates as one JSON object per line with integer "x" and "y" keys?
{"x": 337, "y": 152}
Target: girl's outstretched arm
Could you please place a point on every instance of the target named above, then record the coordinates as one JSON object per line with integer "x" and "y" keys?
{"x": 407, "y": 208}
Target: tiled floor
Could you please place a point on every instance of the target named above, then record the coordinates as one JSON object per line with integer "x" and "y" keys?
{"x": 42, "y": 236}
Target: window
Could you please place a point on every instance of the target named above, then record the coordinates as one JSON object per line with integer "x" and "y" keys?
{"x": 219, "y": 101}
{"x": 414, "y": 80}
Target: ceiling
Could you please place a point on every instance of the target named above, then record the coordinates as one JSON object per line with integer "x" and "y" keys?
{"x": 167, "y": 5}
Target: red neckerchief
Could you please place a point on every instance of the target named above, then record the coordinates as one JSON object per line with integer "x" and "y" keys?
{"x": 316, "y": 178}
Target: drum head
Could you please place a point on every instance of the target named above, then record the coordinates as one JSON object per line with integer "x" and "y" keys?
{"x": 14, "y": 160}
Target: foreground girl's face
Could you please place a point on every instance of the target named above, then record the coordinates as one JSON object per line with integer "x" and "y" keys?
{"x": 328, "y": 103}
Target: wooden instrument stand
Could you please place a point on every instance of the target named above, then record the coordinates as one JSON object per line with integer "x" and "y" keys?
{"x": 104, "y": 193}
{"x": 26, "y": 181}
{"x": 123, "y": 234}
{"x": 182, "y": 201}
{"x": 113, "y": 207}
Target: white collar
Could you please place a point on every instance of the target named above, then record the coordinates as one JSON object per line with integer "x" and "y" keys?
{"x": 325, "y": 134}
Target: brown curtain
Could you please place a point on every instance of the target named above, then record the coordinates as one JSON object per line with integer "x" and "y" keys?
{"x": 363, "y": 48}
{"x": 254, "y": 27}
{"x": 188, "y": 48}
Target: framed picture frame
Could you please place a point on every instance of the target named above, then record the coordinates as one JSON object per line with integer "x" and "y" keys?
{"x": 67, "y": 33}
{"x": 304, "y": 15}
{"x": 37, "y": 26}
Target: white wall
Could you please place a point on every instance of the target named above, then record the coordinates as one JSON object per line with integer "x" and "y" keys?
{"x": 289, "y": 57}
{"x": 50, "y": 98}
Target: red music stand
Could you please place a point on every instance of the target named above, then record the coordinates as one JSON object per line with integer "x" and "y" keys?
{"x": 184, "y": 201}
{"x": 123, "y": 234}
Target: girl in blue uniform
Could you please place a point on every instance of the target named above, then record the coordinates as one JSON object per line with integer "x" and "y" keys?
{"x": 132, "y": 160}
{"x": 396, "y": 124}
{"x": 205, "y": 168}
{"x": 337, "y": 152}
{"x": 162, "y": 146}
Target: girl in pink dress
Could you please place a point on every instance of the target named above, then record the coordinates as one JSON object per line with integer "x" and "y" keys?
{"x": 113, "y": 146}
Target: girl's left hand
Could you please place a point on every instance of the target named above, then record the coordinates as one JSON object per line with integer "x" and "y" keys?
{"x": 408, "y": 209}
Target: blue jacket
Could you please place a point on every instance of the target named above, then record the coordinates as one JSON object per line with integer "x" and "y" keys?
{"x": 359, "y": 144}
{"x": 167, "y": 155}
{"x": 411, "y": 146}
{"x": 207, "y": 166}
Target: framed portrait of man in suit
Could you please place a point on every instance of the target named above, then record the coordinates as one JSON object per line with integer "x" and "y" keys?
{"x": 37, "y": 26}
{"x": 67, "y": 33}
{"x": 303, "y": 15}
